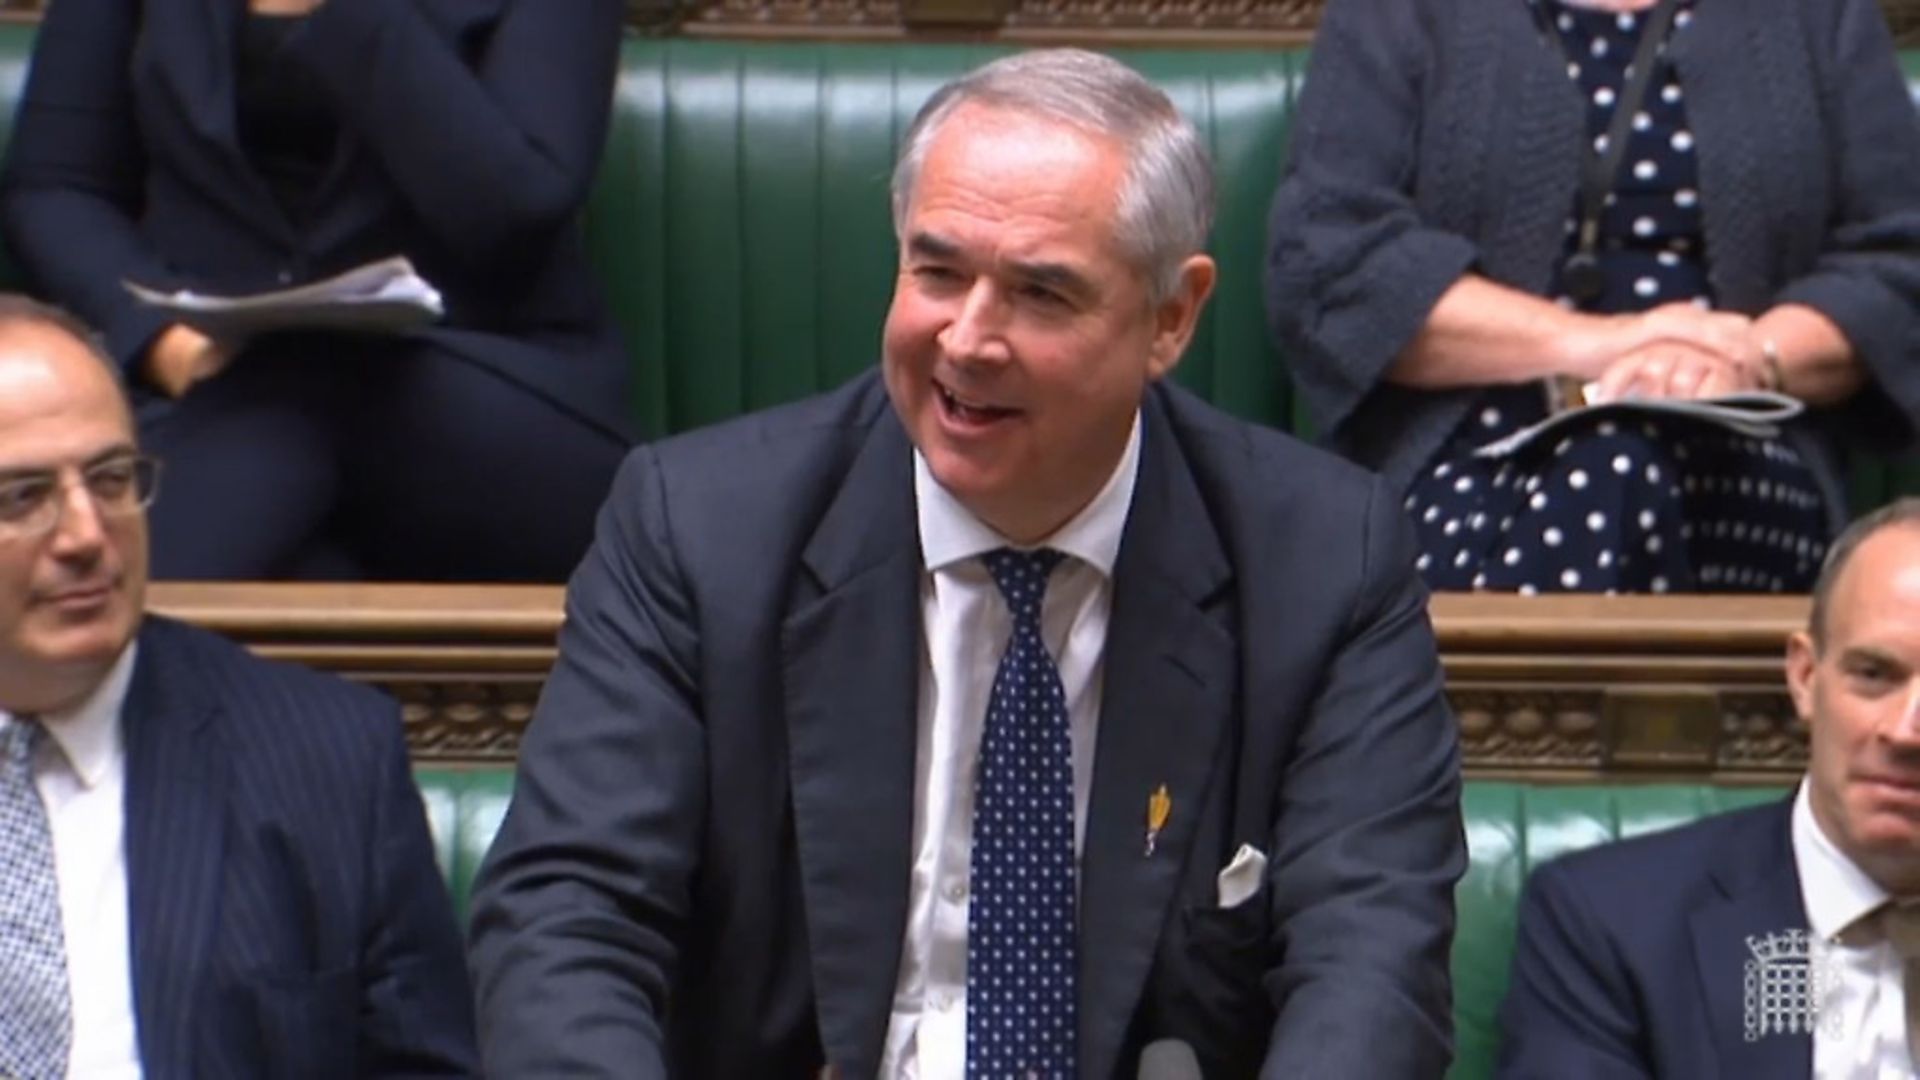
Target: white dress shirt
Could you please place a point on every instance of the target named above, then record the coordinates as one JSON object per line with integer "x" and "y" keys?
{"x": 967, "y": 626}
{"x": 80, "y": 771}
{"x": 1861, "y": 1028}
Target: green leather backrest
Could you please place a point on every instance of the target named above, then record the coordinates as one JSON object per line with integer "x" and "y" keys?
{"x": 464, "y": 809}
{"x": 1510, "y": 829}
{"x": 742, "y": 224}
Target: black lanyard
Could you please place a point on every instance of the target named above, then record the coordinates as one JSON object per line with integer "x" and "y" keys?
{"x": 1581, "y": 274}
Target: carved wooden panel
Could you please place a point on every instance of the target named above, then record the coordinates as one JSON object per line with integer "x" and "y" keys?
{"x": 1528, "y": 727}
{"x": 1090, "y": 21}
{"x": 1543, "y": 687}
{"x": 1250, "y": 22}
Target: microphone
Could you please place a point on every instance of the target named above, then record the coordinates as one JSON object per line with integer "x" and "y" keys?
{"x": 1169, "y": 1059}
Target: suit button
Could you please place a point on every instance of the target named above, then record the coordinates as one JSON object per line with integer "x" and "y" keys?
{"x": 957, "y": 891}
{"x": 284, "y": 277}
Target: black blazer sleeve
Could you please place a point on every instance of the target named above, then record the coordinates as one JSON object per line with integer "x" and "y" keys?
{"x": 416, "y": 1003}
{"x": 72, "y": 191}
{"x": 583, "y": 897}
{"x": 495, "y": 153}
{"x": 1867, "y": 275}
{"x": 1367, "y": 842}
{"x": 1352, "y": 269}
{"x": 1569, "y": 1008}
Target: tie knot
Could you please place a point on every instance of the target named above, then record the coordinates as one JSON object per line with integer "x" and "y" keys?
{"x": 1022, "y": 577}
{"x": 1900, "y": 922}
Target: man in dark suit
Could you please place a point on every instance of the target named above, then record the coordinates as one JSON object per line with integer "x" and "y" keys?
{"x": 1002, "y": 713}
{"x": 210, "y": 865}
{"x": 1769, "y": 942}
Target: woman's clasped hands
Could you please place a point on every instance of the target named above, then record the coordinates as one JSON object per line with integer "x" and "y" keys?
{"x": 1679, "y": 351}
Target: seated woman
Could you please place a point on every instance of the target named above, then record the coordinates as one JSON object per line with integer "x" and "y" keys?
{"x": 243, "y": 146}
{"x": 1483, "y": 205}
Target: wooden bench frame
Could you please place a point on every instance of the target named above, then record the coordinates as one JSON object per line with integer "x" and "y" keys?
{"x": 1094, "y": 23}
{"x": 1559, "y": 687}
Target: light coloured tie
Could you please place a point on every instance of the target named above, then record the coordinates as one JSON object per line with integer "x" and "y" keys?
{"x": 1901, "y": 924}
{"x": 36, "y": 1016}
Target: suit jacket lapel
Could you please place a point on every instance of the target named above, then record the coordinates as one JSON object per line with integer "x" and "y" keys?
{"x": 1760, "y": 903}
{"x": 852, "y": 650}
{"x": 1168, "y": 693}
{"x": 176, "y": 787}
{"x": 190, "y": 54}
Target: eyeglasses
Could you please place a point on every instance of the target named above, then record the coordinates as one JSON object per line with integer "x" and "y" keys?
{"x": 32, "y": 503}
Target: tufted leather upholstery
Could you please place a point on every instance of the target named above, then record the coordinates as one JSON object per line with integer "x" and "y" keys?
{"x": 1513, "y": 827}
{"x": 1510, "y": 828}
{"x": 744, "y": 222}
{"x": 464, "y": 809}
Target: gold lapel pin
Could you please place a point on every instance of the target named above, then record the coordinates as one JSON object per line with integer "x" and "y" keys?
{"x": 1159, "y": 809}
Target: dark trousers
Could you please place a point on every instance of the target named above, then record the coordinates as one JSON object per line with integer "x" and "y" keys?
{"x": 379, "y": 459}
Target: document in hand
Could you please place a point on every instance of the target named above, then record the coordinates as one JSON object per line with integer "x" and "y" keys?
{"x": 1756, "y": 414}
{"x": 381, "y": 297}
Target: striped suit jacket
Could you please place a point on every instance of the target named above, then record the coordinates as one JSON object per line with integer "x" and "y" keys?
{"x": 287, "y": 919}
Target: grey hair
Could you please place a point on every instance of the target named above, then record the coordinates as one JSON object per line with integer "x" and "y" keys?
{"x": 1166, "y": 197}
{"x": 1902, "y": 511}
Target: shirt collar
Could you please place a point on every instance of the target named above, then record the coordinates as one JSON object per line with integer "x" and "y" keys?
{"x": 950, "y": 533}
{"x": 89, "y": 733}
{"x": 1836, "y": 892}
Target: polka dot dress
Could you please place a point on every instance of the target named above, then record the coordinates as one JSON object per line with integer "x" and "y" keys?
{"x": 1664, "y": 505}
{"x": 1020, "y": 921}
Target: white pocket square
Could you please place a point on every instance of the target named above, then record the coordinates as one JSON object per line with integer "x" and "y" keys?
{"x": 1242, "y": 877}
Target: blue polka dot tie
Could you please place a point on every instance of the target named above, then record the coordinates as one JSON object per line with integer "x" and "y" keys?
{"x": 1020, "y": 922}
{"x": 36, "y": 1022}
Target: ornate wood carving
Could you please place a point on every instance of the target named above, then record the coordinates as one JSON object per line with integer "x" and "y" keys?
{"x": 1547, "y": 687}
{"x": 1761, "y": 732}
{"x": 1528, "y": 727}
{"x": 1243, "y": 22}
{"x": 468, "y": 720}
{"x": 1246, "y": 22}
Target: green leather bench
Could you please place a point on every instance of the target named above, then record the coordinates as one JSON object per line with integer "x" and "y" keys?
{"x": 741, "y": 226}
{"x": 1510, "y": 828}
{"x": 743, "y": 219}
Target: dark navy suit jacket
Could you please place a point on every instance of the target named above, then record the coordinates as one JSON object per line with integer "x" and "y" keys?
{"x": 1633, "y": 958}
{"x": 286, "y": 914}
{"x": 705, "y": 869}
{"x": 472, "y": 130}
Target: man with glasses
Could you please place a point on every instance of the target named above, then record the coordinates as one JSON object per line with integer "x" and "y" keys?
{"x": 210, "y": 865}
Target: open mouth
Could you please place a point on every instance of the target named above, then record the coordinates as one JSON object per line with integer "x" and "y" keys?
{"x": 969, "y": 412}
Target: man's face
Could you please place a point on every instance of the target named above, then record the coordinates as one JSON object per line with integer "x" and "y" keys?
{"x": 1860, "y": 696}
{"x": 71, "y": 597}
{"x": 1020, "y": 339}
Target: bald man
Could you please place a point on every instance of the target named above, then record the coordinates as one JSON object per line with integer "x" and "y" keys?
{"x": 211, "y": 866}
{"x": 1770, "y": 942}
